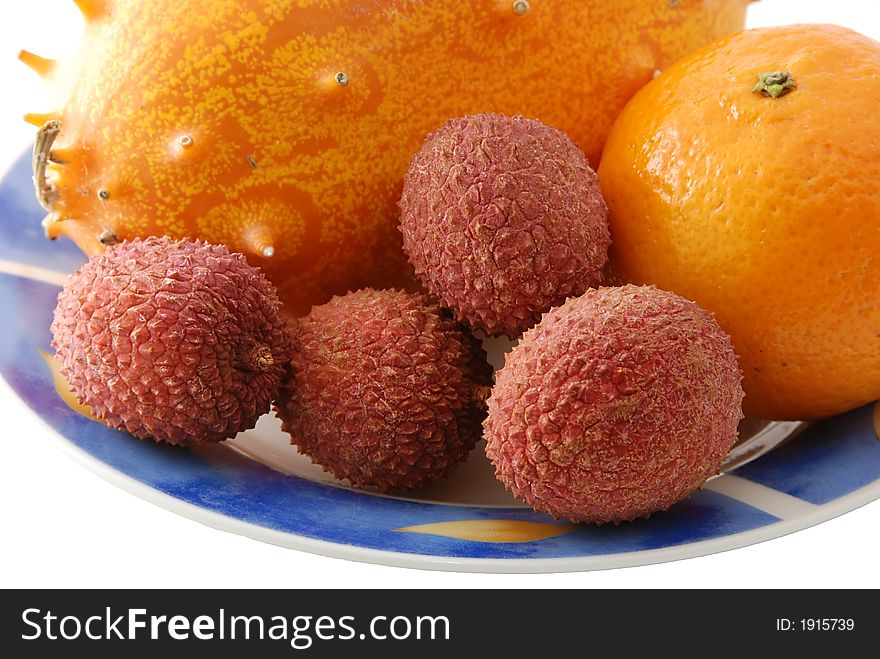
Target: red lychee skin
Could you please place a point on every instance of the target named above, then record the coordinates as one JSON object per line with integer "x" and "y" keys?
{"x": 502, "y": 219}
{"x": 177, "y": 341}
{"x": 617, "y": 404}
{"x": 384, "y": 390}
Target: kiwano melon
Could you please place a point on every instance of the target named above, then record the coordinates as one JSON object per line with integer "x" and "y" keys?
{"x": 284, "y": 128}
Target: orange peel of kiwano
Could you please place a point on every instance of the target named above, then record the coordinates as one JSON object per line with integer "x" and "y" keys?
{"x": 284, "y": 129}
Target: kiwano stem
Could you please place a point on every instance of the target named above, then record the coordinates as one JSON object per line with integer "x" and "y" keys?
{"x": 42, "y": 154}
{"x": 774, "y": 84}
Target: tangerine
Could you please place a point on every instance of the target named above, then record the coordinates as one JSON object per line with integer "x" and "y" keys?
{"x": 747, "y": 178}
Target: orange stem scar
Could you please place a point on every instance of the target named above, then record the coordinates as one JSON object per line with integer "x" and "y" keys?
{"x": 774, "y": 84}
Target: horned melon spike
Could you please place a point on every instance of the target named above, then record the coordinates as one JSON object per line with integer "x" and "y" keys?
{"x": 259, "y": 242}
{"x": 512, "y": 7}
{"x": 39, "y": 65}
{"x": 92, "y": 10}
{"x": 39, "y": 119}
{"x": 63, "y": 155}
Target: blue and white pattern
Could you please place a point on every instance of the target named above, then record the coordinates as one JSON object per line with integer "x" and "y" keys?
{"x": 832, "y": 467}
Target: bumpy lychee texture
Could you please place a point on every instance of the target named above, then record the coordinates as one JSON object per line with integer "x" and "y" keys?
{"x": 178, "y": 341}
{"x": 384, "y": 389}
{"x": 617, "y": 404}
{"x": 502, "y": 219}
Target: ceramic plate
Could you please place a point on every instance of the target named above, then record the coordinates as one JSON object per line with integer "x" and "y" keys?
{"x": 257, "y": 485}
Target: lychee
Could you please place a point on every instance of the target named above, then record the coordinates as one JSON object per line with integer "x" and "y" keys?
{"x": 502, "y": 219}
{"x": 178, "y": 341}
{"x": 618, "y": 404}
{"x": 384, "y": 389}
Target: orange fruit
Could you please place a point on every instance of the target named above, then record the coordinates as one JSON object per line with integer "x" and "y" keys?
{"x": 284, "y": 128}
{"x": 761, "y": 201}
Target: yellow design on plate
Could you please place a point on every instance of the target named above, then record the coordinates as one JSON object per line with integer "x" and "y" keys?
{"x": 35, "y": 272}
{"x": 63, "y": 388}
{"x": 491, "y": 530}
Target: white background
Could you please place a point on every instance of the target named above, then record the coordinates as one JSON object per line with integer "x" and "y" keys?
{"x": 62, "y": 526}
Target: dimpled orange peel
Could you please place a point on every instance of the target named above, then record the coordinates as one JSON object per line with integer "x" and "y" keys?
{"x": 747, "y": 178}
{"x": 284, "y": 128}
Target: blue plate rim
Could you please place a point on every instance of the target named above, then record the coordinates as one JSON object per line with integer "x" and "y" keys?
{"x": 288, "y": 540}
